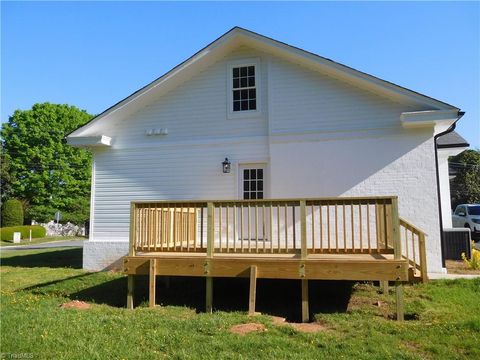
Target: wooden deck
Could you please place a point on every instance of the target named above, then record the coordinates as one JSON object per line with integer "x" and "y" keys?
{"x": 304, "y": 239}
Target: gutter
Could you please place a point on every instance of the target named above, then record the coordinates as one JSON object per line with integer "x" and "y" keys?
{"x": 449, "y": 130}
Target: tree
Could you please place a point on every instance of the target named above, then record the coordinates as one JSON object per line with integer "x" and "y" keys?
{"x": 12, "y": 213}
{"x": 465, "y": 186}
{"x": 45, "y": 172}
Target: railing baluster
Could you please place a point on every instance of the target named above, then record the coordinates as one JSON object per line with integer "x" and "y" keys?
{"x": 145, "y": 227}
{"x": 313, "y": 227}
{"x": 360, "y": 225}
{"x": 294, "y": 226}
{"x": 286, "y": 229}
{"x": 220, "y": 227}
{"x": 227, "y": 220}
{"x": 175, "y": 228}
{"x": 263, "y": 227}
{"x": 336, "y": 227}
{"x": 271, "y": 228}
{"x": 201, "y": 227}
{"x": 188, "y": 229}
{"x": 182, "y": 229}
{"x": 249, "y": 232}
{"x": 328, "y": 226}
{"x": 241, "y": 228}
{"x": 344, "y": 227}
{"x": 234, "y": 228}
{"x": 368, "y": 226}
{"x": 278, "y": 228}
{"x": 155, "y": 232}
{"x": 413, "y": 246}
{"x": 406, "y": 241}
{"x": 353, "y": 227}
{"x": 320, "y": 224}
{"x": 256, "y": 227}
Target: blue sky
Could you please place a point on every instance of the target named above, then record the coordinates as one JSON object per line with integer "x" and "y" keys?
{"x": 93, "y": 54}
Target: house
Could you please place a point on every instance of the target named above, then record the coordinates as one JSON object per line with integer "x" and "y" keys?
{"x": 450, "y": 144}
{"x": 248, "y": 119}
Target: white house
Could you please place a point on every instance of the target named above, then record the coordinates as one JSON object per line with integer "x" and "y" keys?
{"x": 305, "y": 125}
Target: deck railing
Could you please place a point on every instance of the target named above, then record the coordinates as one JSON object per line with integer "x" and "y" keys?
{"x": 290, "y": 226}
{"x": 413, "y": 248}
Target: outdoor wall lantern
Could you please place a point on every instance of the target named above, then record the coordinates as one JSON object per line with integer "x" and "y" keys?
{"x": 226, "y": 166}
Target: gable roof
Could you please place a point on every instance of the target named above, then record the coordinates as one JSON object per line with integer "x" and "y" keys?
{"x": 238, "y": 35}
{"x": 451, "y": 140}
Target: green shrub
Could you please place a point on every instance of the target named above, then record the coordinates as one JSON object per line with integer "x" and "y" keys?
{"x": 12, "y": 213}
{"x": 38, "y": 231}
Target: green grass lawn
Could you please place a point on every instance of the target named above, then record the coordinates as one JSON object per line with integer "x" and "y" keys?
{"x": 40, "y": 240}
{"x": 444, "y": 317}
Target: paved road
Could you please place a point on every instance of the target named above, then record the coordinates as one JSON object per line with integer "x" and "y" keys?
{"x": 49, "y": 245}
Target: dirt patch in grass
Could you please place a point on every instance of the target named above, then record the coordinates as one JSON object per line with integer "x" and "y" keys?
{"x": 301, "y": 327}
{"x": 243, "y": 329}
{"x": 75, "y": 304}
{"x": 308, "y": 327}
{"x": 459, "y": 267}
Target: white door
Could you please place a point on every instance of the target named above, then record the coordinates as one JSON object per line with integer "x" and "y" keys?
{"x": 252, "y": 186}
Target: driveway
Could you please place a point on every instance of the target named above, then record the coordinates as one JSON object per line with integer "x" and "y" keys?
{"x": 48, "y": 245}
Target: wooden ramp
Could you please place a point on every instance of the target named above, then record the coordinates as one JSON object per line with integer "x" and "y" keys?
{"x": 305, "y": 239}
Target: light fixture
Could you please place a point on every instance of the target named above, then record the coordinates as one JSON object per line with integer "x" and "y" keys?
{"x": 226, "y": 165}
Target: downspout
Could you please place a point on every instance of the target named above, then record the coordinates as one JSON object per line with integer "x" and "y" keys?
{"x": 449, "y": 130}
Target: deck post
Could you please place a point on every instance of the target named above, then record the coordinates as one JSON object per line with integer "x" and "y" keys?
{"x": 384, "y": 286}
{"x": 253, "y": 290}
{"x": 130, "y": 291}
{"x": 303, "y": 254}
{"x": 152, "y": 282}
{"x": 399, "y": 300}
{"x": 131, "y": 247}
{"x": 305, "y": 309}
{"x": 423, "y": 256}
{"x": 210, "y": 246}
{"x": 209, "y": 295}
{"x": 303, "y": 228}
{"x": 397, "y": 245}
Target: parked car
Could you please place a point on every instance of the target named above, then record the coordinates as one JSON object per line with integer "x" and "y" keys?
{"x": 468, "y": 216}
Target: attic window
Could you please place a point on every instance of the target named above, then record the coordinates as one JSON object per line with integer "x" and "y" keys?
{"x": 244, "y": 88}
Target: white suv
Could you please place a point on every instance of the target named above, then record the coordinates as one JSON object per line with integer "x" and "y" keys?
{"x": 468, "y": 216}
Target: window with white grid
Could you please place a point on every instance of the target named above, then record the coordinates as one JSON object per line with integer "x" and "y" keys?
{"x": 253, "y": 183}
{"x": 244, "y": 90}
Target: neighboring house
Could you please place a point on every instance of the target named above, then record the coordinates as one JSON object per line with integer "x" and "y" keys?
{"x": 450, "y": 144}
{"x": 307, "y": 126}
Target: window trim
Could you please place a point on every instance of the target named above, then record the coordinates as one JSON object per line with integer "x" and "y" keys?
{"x": 244, "y": 113}
{"x": 252, "y": 163}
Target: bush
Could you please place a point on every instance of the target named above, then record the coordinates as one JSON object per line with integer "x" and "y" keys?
{"x": 6, "y": 233}
{"x": 12, "y": 213}
{"x": 474, "y": 262}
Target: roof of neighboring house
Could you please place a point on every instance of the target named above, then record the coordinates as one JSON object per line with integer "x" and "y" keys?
{"x": 279, "y": 47}
{"x": 451, "y": 140}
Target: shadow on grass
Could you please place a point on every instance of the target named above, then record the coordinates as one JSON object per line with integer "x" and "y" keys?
{"x": 54, "y": 259}
{"x": 274, "y": 297}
